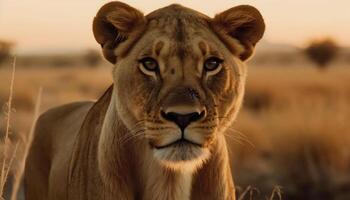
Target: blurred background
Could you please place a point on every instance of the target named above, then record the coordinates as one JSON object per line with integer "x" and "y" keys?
{"x": 292, "y": 137}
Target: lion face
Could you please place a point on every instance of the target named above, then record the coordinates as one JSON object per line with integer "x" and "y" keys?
{"x": 179, "y": 75}
{"x": 180, "y": 91}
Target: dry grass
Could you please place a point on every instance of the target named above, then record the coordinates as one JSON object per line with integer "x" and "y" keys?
{"x": 297, "y": 120}
{"x": 7, "y": 159}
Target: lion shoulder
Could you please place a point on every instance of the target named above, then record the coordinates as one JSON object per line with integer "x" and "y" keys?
{"x": 58, "y": 126}
{"x": 55, "y": 129}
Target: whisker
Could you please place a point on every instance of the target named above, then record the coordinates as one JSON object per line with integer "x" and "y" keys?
{"x": 159, "y": 128}
{"x": 155, "y": 121}
{"x": 136, "y": 131}
{"x": 205, "y": 127}
{"x": 140, "y": 122}
{"x": 239, "y": 136}
{"x": 130, "y": 135}
{"x": 214, "y": 118}
{"x": 133, "y": 136}
{"x": 234, "y": 138}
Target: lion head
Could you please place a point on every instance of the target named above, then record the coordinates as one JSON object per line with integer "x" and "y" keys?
{"x": 178, "y": 74}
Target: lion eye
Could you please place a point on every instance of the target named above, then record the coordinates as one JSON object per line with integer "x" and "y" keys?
{"x": 149, "y": 64}
{"x": 212, "y": 63}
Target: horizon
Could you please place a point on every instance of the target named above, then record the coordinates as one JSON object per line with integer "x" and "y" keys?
{"x": 39, "y": 29}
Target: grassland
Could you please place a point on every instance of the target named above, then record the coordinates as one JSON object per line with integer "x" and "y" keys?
{"x": 296, "y": 122}
{"x": 292, "y": 132}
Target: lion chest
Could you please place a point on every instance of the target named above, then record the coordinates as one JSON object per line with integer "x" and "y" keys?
{"x": 169, "y": 186}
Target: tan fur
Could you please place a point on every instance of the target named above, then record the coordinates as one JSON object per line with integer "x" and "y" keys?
{"x": 119, "y": 147}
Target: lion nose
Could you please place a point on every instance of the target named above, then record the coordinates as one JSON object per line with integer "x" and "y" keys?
{"x": 182, "y": 120}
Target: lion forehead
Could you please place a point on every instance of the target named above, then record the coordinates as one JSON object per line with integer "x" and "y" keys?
{"x": 182, "y": 31}
{"x": 176, "y": 11}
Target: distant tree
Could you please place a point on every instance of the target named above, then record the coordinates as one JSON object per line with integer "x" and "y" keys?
{"x": 5, "y": 50}
{"x": 92, "y": 58}
{"x": 322, "y": 52}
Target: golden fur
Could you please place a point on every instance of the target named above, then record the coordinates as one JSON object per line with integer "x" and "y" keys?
{"x": 154, "y": 134}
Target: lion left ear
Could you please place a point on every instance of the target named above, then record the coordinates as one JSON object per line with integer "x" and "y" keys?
{"x": 114, "y": 23}
{"x": 243, "y": 23}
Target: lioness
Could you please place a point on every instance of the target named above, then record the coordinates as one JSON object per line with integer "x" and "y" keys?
{"x": 158, "y": 132}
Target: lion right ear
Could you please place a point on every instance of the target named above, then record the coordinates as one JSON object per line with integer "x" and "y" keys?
{"x": 113, "y": 24}
{"x": 243, "y": 23}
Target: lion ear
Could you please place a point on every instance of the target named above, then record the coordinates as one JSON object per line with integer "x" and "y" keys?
{"x": 113, "y": 24}
{"x": 243, "y": 23}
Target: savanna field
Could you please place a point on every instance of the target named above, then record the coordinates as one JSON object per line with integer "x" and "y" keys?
{"x": 291, "y": 139}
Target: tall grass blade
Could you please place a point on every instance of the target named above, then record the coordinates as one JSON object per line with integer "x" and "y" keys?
{"x": 4, "y": 168}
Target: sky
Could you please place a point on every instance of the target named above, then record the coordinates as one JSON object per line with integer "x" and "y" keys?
{"x": 44, "y": 26}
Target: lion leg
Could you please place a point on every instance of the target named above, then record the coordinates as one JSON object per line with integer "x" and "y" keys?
{"x": 36, "y": 178}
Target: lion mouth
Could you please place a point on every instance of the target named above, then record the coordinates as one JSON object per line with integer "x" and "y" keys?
{"x": 179, "y": 143}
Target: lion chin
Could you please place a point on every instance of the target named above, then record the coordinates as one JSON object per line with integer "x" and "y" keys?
{"x": 182, "y": 156}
